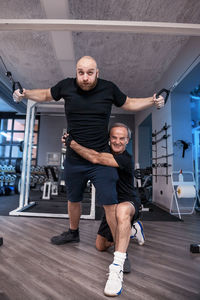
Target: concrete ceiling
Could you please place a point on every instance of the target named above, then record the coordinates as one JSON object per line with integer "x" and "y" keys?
{"x": 135, "y": 62}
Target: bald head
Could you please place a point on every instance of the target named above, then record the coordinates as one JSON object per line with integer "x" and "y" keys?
{"x": 86, "y": 60}
{"x": 86, "y": 73}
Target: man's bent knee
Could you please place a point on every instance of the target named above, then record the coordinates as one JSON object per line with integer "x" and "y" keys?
{"x": 125, "y": 211}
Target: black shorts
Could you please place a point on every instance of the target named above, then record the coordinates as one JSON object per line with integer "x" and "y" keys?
{"x": 78, "y": 172}
{"x": 104, "y": 229}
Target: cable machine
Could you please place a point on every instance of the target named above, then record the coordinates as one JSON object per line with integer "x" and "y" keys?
{"x": 24, "y": 203}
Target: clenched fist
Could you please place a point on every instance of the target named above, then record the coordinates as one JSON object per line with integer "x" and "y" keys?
{"x": 158, "y": 102}
{"x": 17, "y": 96}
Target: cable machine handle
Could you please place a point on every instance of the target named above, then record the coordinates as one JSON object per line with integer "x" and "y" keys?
{"x": 167, "y": 92}
{"x": 17, "y": 85}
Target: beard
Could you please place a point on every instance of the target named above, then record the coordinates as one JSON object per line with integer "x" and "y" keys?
{"x": 87, "y": 86}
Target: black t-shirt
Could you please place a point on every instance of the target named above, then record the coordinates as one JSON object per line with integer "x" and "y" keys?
{"x": 125, "y": 185}
{"x": 88, "y": 112}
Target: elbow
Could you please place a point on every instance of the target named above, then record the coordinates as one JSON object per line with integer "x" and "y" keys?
{"x": 47, "y": 95}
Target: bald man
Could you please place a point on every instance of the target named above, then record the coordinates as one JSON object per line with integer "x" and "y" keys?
{"x": 88, "y": 103}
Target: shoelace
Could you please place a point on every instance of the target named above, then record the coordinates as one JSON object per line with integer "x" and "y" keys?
{"x": 112, "y": 275}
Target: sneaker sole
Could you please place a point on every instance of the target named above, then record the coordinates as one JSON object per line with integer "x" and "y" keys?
{"x": 127, "y": 271}
{"x": 113, "y": 295}
{"x": 58, "y": 244}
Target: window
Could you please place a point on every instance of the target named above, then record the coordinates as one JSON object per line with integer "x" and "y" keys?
{"x": 12, "y": 133}
{"x": 19, "y": 125}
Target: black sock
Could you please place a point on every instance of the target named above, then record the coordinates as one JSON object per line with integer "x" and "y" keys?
{"x": 74, "y": 231}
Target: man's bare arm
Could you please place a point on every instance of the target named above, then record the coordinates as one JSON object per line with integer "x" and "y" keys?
{"x": 93, "y": 156}
{"x": 38, "y": 95}
{"x": 137, "y": 104}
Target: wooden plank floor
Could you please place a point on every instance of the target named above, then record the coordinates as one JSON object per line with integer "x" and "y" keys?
{"x": 33, "y": 269}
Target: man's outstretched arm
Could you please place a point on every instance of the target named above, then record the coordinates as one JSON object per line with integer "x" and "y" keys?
{"x": 137, "y": 104}
{"x": 38, "y": 95}
{"x": 93, "y": 156}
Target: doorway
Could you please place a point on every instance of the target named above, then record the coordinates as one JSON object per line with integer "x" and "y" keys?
{"x": 145, "y": 143}
{"x": 145, "y": 159}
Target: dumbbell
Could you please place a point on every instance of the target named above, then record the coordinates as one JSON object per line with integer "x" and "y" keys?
{"x": 195, "y": 248}
{"x": 42, "y": 169}
{"x": 1, "y": 178}
{"x": 41, "y": 179}
{"x": 17, "y": 184}
{"x": 7, "y": 178}
{"x": 35, "y": 178}
{"x": 37, "y": 169}
{"x": 32, "y": 169}
{"x": 18, "y": 165}
{"x": 4, "y": 168}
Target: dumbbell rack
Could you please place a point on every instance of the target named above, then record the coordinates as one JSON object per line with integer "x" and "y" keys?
{"x": 156, "y": 140}
{"x": 37, "y": 175}
{"x": 10, "y": 177}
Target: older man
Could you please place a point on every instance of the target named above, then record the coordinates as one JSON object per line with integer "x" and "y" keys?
{"x": 128, "y": 208}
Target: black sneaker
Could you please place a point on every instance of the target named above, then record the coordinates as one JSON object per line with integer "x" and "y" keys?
{"x": 127, "y": 265}
{"x": 65, "y": 237}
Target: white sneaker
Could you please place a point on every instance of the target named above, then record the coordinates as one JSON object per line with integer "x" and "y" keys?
{"x": 137, "y": 231}
{"x": 113, "y": 285}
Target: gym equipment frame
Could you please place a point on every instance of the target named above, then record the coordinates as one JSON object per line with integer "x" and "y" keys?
{"x": 100, "y": 26}
{"x": 155, "y": 143}
{"x": 188, "y": 181}
{"x": 26, "y": 171}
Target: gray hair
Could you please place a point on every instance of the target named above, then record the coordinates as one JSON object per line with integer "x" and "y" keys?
{"x": 121, "y": 125}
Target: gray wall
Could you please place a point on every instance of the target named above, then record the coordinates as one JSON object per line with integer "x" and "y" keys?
{"x": 51, "y": 129}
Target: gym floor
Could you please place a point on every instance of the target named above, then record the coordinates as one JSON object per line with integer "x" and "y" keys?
{"x": 32, "y": 268}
